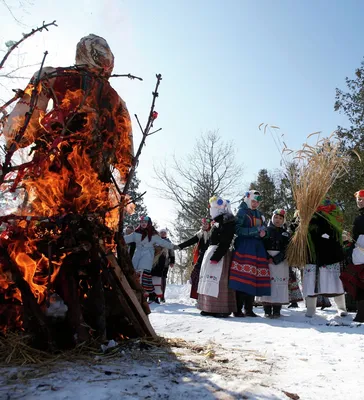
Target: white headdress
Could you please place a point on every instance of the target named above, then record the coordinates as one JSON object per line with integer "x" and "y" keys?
{"x": 94, "y": 52}
{"x": 219, "y": 206}
{"x": 251, "y": 195}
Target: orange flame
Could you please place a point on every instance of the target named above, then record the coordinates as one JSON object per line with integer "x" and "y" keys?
{"x": 87, "y": 132}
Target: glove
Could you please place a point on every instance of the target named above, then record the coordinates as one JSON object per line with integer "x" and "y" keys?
{"x": 325, "y": 236}
{"x": 175, "y": 247}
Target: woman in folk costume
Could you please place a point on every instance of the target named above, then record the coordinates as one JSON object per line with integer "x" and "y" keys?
{"x": 276, "y": 242}
{"x": 321, "y": 275}
{"x": 201, "y": 240}
{"x": 249, "y": 271}
{"x": 163, "y": 259}
{"x": 214, "y": 296}
{"x": 353, "y": 275}
{"x": 146, "y": 237}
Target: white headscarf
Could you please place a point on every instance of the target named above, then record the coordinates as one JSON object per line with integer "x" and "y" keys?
{"x": 281, "y": 212}
{"x": 94, "y": 52}
{"x": 251, "y": 195}
{"x": 219, "y": 206}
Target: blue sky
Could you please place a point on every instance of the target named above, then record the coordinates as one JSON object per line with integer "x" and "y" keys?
{"x": 226, "y": 65}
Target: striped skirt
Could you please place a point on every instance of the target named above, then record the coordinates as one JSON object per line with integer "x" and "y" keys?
{"x": 249, "y": 271}
{"x": 225, "y": 303}
{"x": 145, "y": 279}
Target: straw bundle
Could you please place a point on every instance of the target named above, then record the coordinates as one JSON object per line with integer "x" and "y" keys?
{"x": 316, "y": 168}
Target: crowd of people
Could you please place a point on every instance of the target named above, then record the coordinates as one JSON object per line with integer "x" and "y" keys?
{"x": 241, "y": 260}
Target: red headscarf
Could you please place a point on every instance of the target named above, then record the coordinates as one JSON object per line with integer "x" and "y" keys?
{"x": 149, "y": 230}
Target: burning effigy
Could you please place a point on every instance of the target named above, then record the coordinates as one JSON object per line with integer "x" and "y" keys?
{"x": 64, "y": 275}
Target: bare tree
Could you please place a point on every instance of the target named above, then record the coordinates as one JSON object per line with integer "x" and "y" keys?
{"x": 211, "y": 169}
{"x": 14, "y": 10}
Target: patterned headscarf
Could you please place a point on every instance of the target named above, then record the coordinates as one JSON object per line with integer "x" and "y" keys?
{"x": 359, "y": 193}
{"x": 219, "y": 206}
{"x": 331, "y": 211}
{"x": 149, "y": 230}
{"x": 251, "y": 195}
{"x": 94, "y": 52}
{"x": 281, "y": 212}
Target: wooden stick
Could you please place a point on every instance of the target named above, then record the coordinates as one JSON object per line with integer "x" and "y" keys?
{"x": 129, "y": 293}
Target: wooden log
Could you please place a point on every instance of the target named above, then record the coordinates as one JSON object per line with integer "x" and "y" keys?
{"x": 129, "y": 294}
{"x": 129, "y": 272}
{"x": 33, "y": 318}
{"x": 123, "y": 304}
{"x": 66, "y": 286}
{"x": 96, "y": 305}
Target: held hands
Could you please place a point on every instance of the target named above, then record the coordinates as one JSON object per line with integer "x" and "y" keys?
{"x": 171, "y": 265}
{"x": 262, "y": 234}
{"x": 213, "y": 262}
{"x": 175, "y": 247}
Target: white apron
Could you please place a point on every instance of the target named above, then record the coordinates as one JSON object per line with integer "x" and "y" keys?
{"x": 329, "y": 282}
{"x": 358, "y": 252}
{"x": 210, "y": 274}
{"x": 279, "y": 282}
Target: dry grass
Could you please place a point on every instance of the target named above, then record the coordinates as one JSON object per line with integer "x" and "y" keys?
{"x": 315, "y": 170}
{"x": 312, "y": 171}
{"x": 15, "y": 350}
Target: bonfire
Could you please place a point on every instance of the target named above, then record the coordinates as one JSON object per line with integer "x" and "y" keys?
{"x": 65, "y": 276}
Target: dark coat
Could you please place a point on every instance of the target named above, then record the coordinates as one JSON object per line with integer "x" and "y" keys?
{"x": 358, "y": 226}
{"x": 222, "y": 234}
{"x": 276, "y": 239}
{"x": 325, "y": 251}
{"x": 202, "y": 245}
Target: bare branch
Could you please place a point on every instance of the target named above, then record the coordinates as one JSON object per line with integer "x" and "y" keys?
{"x": 190, "y": 182}
{"x": 130, "y": 76}
{"x": 25, "y": 36}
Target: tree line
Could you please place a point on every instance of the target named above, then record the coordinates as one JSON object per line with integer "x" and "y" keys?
{"x": 212, "y": 169}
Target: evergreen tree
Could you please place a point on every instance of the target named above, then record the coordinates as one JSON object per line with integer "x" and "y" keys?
{"x": 284, "y": 195}
{"x": 351, "y": 103}
{"x": 140, "y": 208}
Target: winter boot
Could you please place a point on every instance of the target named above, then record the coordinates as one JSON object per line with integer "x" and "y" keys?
{"x": 311, "y": 306}
{"x": 221, "y": 315}
{"x": 249, "y": 300}
{"x": 360, "y": 314}
{"x": 276, "y": 311}
{"x": 293, "y": 305}
{"x": 152, "y": 298}
{"x": 341, "y": 306}
{"x": 239, "y": 314}
{"x": 206, "y": 314}
{"x": 267, "y": 311}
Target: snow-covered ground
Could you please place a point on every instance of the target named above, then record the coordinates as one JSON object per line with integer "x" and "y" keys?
{"x": 249, "y": 358}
